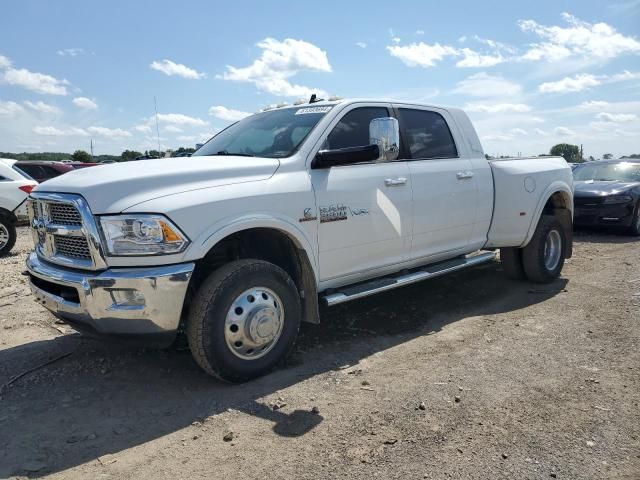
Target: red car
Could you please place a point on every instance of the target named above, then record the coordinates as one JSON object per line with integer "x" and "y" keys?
{"x": 43, "y": 171}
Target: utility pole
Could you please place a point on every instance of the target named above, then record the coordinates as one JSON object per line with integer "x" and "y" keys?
{"x": 92, "y": 149}
{"x": 155, "y": 104}
{"x": 581, "y": 153}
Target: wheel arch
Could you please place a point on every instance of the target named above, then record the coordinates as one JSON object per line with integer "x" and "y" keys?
{"x": 556, "y": 200}
{"x": 9, "y": 215}
{"x": 270, "y": 241}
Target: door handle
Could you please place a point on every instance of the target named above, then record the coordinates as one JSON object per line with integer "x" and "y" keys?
{"x": 395, "y": 182}
{"x": 464, "y": 175}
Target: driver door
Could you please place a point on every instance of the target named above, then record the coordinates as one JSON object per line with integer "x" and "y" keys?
{"x": 364, "y": 209}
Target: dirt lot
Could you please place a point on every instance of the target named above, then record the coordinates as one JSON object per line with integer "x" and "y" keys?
{"x": 470, "y": 376}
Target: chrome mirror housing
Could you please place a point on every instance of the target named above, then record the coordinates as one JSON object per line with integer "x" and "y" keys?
{"x": 385, "y": 132}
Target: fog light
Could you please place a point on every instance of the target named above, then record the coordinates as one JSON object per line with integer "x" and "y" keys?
{"x": 127, "y": 298}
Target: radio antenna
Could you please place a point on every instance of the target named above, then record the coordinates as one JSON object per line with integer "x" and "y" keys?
{"x": 155, "y": 105}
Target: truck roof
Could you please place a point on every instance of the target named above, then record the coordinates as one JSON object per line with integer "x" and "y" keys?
{"x": 337, "y": 101}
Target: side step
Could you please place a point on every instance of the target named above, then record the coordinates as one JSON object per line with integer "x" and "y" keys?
{"x": 360, "y": 290}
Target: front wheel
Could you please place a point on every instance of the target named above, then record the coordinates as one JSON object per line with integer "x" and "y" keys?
{"x": 244, "y": 320}
{"x": 7, "y": 236}
{"x": 543, "y": 258}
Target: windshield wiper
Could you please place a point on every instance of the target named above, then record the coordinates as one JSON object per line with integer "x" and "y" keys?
{"x": 225, "y": 153}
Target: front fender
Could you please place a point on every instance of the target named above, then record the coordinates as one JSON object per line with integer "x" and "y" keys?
{"x": 229, "y": 226}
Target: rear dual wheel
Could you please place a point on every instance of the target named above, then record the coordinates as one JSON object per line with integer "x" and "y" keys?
{"x": 541, "y": 261}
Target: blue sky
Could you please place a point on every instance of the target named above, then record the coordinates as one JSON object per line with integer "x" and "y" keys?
{"x": 531, "y": 74}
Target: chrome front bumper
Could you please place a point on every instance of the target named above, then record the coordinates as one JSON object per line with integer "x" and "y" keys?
{"x": 121, "y": 302}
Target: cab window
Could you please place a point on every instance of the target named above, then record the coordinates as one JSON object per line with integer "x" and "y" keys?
{"x": 427, "y": 134}
{"x": 353, "y": 129}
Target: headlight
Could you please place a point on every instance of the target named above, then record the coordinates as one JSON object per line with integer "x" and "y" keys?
{"x": 141, "y": 235}
{"x": 618, "y": 199}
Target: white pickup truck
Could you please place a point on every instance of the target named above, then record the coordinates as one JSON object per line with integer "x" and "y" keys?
{"x": 327, "y": 201}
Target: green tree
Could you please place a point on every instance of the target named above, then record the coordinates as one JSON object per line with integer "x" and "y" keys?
{"x": 128, "y": 155}
{"x": 607, "y": 156}
{"x": 81, "y": 156}
{"x": 571, "y": 153}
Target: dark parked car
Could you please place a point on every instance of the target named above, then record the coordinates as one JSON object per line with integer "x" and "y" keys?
{"x": 607, "y": 193}
{"x": 43, "y": 171}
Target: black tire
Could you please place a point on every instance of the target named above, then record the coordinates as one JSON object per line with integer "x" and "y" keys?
{"x": 533, "y": 255}
{"x": 206, "y": 321}
{"x": 11, "y": 230}
{"x": 511, "y": 259}
{"x": 634, "y": 228}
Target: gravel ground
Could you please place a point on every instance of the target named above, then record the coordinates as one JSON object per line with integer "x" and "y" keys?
{"x": 466, "y": 376}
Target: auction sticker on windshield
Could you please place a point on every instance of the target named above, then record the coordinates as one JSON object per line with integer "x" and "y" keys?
{"x": 302, "y": 111}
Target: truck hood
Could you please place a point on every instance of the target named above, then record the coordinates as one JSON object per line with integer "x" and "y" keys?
{"x": 115, "y": 187}
{"x": 592, "y": 188}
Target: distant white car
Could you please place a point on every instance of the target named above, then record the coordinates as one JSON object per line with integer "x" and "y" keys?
{"x": 15, "y": 187}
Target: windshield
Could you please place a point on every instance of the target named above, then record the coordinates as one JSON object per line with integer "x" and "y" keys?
{"x": 272, "y": 134}
{"x": 623, "y": 171}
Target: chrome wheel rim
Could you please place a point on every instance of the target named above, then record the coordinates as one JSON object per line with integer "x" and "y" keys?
{"x": 4, "y": 236}
{"x": 254, "y": 323}
{"x": 552, "y": 249}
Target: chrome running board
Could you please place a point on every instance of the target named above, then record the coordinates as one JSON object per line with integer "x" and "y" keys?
{"x": 360, "y": 290}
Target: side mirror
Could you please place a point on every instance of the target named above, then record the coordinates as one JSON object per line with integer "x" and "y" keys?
{"x": 345, "y": 156}
{"x": 385, "y": 133}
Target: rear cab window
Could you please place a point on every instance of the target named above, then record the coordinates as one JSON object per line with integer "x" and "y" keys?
{"x": 426, "y": 134}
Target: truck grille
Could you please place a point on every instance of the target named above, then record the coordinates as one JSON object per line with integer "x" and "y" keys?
{"x": 64, "y": 230}
{"x": 64, "y": 214}
{"x": 72, "y": 247}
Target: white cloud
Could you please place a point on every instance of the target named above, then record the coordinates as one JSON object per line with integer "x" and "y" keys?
{"x": 496, "y": 137}
{"x": 60, "y": 132}
{"x": 142, "y": 128}
{"x": 108, "y": 132}
{"x": 540, "y": 132}
{"x": 179, "y": 119}
{"x": 594, "y": 105}
{"x": 517, "y": 131}
{"x": 37, "y": 82}
{"x": 361, "y": 44}
{"x": 422, "y": 54}
{"x": 563, "y": 131}
{"x": 171, "y": 68}
{"x": 42, "y": 107}
{"x": 585, "y": 81}
{"x": 9, "y": 109}
{"x": 576, "y": 84}
{"x": 497, "y": 107}
{"x": 187, "y": 138}
{"x": 476, "y": 60}
{"x": 546, "y": 51}
{"x": 4, "y": 62}
{"x": 425, "y": 55}
{"x": 624, "y": 76}
{"x": 70, "y": 52}
{"x": 484, "y": 85}
{"x": 84, "y": 102}
{"x": 419, "y": 32}
{"x": 617, "y": 117}
{"x": 172, "y": 129}
{"x": 227, "y": 114}
{"x": 578, "y": 38}
{"x": 279, "y": 61}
